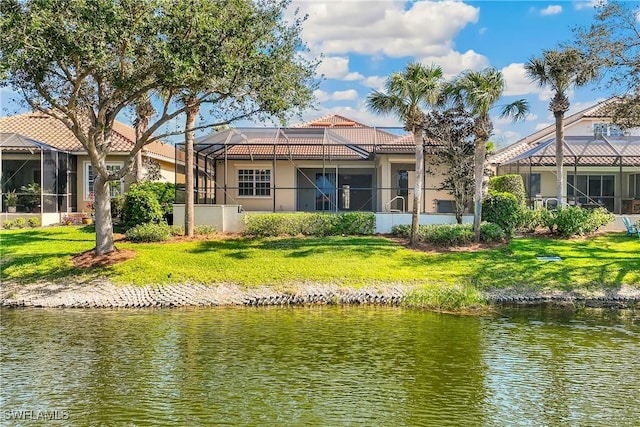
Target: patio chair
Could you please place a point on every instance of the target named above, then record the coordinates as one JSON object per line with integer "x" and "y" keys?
{"x": 631, "y": 229}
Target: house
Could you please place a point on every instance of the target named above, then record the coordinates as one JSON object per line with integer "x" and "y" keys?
{"x": 40, "y": 153}
{"x": 601, "y": 162}
{"x": 330, "y": 164}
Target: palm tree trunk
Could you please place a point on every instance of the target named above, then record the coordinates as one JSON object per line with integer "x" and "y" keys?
{"x": 478, "y": 173}
{"x": 192, "y": 112}
{"x": 417, "y": 190}
{"x": 559, "y": 115}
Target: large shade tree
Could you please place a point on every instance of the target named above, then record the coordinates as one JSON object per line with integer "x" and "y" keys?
{"x": 407, "y": 93}
{"x": 85, "y": 62}
{"x": 560, "y": 70}
{"x": 612, "y": 43}
{"x": 478, "y": 93}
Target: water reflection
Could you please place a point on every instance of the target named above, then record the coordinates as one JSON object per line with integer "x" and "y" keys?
{"x": 321, "y": 366}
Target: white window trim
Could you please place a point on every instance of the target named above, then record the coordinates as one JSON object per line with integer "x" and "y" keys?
{"x": 86, "y": 165}
{"x": 254, "y": 168}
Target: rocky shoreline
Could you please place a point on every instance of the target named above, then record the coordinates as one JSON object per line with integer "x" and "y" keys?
{"x": 101, "y": 293}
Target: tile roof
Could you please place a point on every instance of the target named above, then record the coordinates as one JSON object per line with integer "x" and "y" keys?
{"x": 51, "y": 131}
{"x": 507, "y": 154}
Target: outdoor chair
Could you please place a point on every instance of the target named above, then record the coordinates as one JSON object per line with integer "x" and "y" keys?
{"x": 631, "y": 229}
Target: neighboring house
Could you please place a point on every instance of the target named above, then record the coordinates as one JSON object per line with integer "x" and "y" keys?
{"x": 38, "y": 149}
{"x": 326, "y": 165}
{"x": 601, "y": 162}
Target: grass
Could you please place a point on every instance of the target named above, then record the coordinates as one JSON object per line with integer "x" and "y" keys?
{"x": 608, "y": 260}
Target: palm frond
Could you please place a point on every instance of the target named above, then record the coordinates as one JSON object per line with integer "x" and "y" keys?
{"x": 517, "y": 110}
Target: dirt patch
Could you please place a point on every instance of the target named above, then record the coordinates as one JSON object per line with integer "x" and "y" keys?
{"x": 431, "y": 248}
{"x": 89, "y": 259}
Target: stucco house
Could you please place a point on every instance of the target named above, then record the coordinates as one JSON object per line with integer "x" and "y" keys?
{"x": 329, "y": 164}
{"x": 38, "y": 151}
{"x": 601, "y": 162}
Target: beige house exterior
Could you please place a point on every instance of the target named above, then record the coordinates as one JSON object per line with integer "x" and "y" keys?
{"x": 331, "y": 164}
{"x": 601, "y": 162}
{"x": 36, "y": 148}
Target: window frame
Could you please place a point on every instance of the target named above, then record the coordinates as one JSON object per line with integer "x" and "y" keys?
{"x": 255, "y": 185}
{"x": 607, "y": 129}
{"x": 88, "y": 183}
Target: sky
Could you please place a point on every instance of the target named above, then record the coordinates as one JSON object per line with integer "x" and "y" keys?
{"x": 361, "y": 42}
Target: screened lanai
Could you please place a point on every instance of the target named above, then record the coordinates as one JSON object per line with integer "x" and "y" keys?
{"x": 602, "y": 171}
{"x": 321, "y": 168}
{"x": 41, "y": 176}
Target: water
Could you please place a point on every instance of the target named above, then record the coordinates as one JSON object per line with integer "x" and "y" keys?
{"x": 319, "y": 366}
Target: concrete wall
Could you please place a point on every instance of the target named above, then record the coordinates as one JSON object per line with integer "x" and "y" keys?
{"x": 385, "y": 221}
{"x": 225, "y": 218}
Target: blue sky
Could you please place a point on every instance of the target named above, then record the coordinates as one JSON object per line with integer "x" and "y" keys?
{"x": 363, "y": 41}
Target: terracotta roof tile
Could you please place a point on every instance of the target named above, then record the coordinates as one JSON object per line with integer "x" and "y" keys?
{"x": 51, "y": 131}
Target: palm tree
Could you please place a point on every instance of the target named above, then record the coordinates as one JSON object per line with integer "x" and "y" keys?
{"x": 406, "y": 93}
{"x": 560, "y": 70}
{"x": 477, "y": 92}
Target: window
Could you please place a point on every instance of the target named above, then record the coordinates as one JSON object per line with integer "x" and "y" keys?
{"x": 592, "y": 189}
{"x": 254, "y": 182}
{"x": 532, "y": 181}
{"x": 634, "y": 186}
{"x": 606, "y": 129}
{"x": 116, "y": 187}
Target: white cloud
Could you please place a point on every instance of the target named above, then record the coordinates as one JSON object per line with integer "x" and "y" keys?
{"x": 337, "y": 67}
{"x": 588, "y": 4}
{"x": 516, "y": 80}
{"x": 340, "y": 95}
{"x": 344, "y": 95}
{"x": 425, "y": 29}
{"x": 374, "y": 82}
{"x": 531, "y": 117}
{"x": 482, "y": 31}
{"x": 551, "y": 10}
{"x": 638, "y": 16}
{"x": 453, "y": 62}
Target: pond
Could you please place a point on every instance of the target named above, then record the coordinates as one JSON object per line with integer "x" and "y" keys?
{"x": 322, "y": 365}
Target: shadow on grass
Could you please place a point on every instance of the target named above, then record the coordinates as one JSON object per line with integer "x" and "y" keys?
{"x": 44, "y": 267}
{"x": 298, "y": 247}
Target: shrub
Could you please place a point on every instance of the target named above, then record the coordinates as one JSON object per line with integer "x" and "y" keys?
{"x": 149, "y": 232}
{"x": 352, "y": 223}
{"x": 117, "y": 205}
{"x": 177, "y": 230}
{"x": 401, "y": 230}
{"x": 548, "y": 219}
{"x": 8, "y": 224}
{"x": 165, "y": 193}
{"x": 597, "y": 218}
{"x": 529, "y": 220}
{"x": 447, "y": 234}
{"x": 502, "y": 209}
{"x": 309, "y": 224}
{"x": 33, "y": 222}
{"x": 511, "y": 183}
{"x": 140, "y": 207}
{"x": 204, "y": 230}
{"x": 20, "y": 222}
{"x": 573, "y": 220}
{"x": 490, "y": 232}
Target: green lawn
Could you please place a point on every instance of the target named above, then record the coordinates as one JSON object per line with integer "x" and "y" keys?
{"x": 607, "y": 260}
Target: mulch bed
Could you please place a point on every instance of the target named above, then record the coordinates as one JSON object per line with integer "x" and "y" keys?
{"x": 89, "y": 259}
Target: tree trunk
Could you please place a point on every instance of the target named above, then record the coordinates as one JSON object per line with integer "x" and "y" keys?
{"x": 102, "y": 220}
{"x": 189, "y": 166}
{"x": 139, "y": 174}
{"x": 417, "y": 191}
{"x": 478, "y": 173}
{"x": 559, "y": 115}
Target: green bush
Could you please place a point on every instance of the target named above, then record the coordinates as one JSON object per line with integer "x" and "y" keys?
{"x": 20, "y": 222}
{"x": 529, "y": 220}
{"x": 204, "y": 230}
{"x": 33, "y": 222}
{"x": 353, "y": 223}
{"x": 401, "y": 231}
{"x": 573, "y": 220}
{"x": 177, "y": 230}
{"x": 309, "y": 224}
{"x": 8, "y": 224}
{"x": 150, "y": 232}
{"x": 117, "y": 205}
{"x": 165, "y": 193}
{"x": 502, "y": 209}
{"x": 140, "y": 207}
{"x": 490, "y": 232}
{"x": 511, "y": 183}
